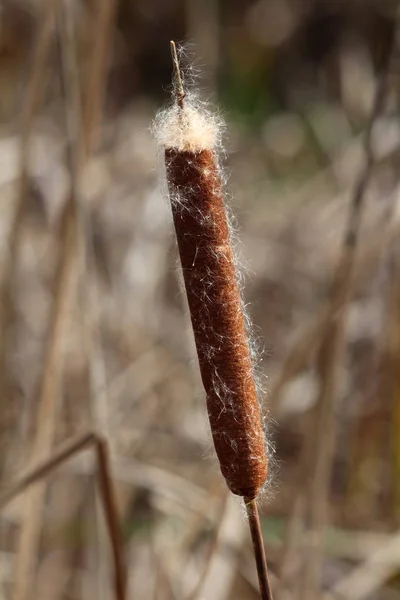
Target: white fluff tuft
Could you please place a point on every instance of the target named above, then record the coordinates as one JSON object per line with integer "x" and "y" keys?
{"x": 190, "y": 128}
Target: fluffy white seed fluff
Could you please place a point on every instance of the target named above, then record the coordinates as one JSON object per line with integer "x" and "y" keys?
{"x": 190, "y": 128}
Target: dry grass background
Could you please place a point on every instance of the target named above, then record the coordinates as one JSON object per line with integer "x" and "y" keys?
{"x": 95, "y": 333}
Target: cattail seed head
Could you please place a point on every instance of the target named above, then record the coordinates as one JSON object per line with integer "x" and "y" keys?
{"x": 194, "y": 183}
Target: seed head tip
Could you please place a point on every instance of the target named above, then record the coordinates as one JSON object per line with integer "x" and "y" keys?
{"x": 178, "y": 83}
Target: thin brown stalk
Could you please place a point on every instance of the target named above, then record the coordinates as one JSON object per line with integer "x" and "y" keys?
{"x": 325, "y": 334}
{"x": 46, "y": 466}
{"x": 81, "y": 124}
{"x": 300, "y": 355}
{"x": 59, "y": 456}
{"x": 49, "y": 389}
{"x": 34, "y": 91}
{"x": 107, "y": 495}
{"x": 258, "y": 547}
{"x": 82, "y": 121}
{"x": 329, "y": 356}
{"x": 98, "y": 68}
{"x": 47, "y": 407}
{"x": 307, "y": 343}
{"x": 371, "y": 425}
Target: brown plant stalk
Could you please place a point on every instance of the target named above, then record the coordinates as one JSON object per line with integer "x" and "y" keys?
{"x": 34, "y": 92}
{"x": 83, "y": 112}
{"x": 107, "y": 494}
{"x": 70, "y": 234}
{"x": 203, "y": 236}
{"x": 47, "y": 398}
{"x": 326, "y": 338}
{"x": 47, "y": 402}
{"x": 329, "y": 355}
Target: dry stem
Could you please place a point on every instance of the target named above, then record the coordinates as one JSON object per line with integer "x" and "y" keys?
{"x": 307, "y": 343}
{"x": 330, "y": 352}
{"x": 34, "y": 91}
{"x": 258, "y": 548}
{"x": 327, "y": 334}
{"x": 82, "y": 124}
{"x": 62, "y": 454}
{"x": 48, "y": 390}
{"x": 178, "y": 83}
{"x": 93, "y": 99}
{"x": 47, "y": 407}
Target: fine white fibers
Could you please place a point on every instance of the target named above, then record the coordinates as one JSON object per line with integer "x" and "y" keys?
{"x": 187, "y": 129}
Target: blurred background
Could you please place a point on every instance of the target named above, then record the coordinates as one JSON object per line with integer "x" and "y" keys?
{"x": 95, "y": 332}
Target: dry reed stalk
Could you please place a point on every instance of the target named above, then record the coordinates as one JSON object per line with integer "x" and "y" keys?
{"x": 82, "y": 121}
{"x": 327, "y": 337}
{"x": 49, "y": 387}
{"x": 47, "y": 408}
{"x": 370, "y": 430}
{"x": 94, "y": 95}
{"x": 297, "y": 360}
{"x": 203, "y": 236}
{"x": 82, "y": 124}
{"x": 329, "y": 355}
{"x": 59, "y": 456}
{"x": 34, "y": 91}
{"x": 306, "y": 344}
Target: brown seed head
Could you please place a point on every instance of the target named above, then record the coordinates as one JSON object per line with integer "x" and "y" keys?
{"x": 217, "y": 318}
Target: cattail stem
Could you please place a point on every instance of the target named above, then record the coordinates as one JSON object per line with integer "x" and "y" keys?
{"x": 258, "y": 547}
{"x": 208, "y": 266}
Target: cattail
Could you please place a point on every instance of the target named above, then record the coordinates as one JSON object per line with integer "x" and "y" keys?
{"x": 190, "y": 138}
